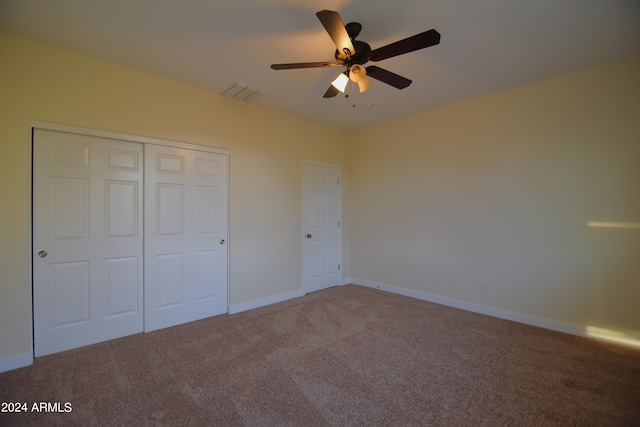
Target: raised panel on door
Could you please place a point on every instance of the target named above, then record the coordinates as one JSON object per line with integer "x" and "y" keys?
{"x": 121, "y": 208}
{"x": 206, "y": 210}
{"x": 87, "y": 242}
{"x": 206, "y": 265}
{"x": 170, "y": 279}
{"x": 70, "y": 299}
{"x": 329, "y": 254}
{"x": 185, "y": 235}
{"x": 315, "y": 261}
{"x": 169, "y": 209}
{"x": 69, "y": 212}
{"x": 322, "y": 234}
{"x": 122, "y": 277}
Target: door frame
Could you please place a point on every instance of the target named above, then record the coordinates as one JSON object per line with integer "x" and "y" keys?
{"x": 305, "y": 163}
{"x": 37, "y": 124}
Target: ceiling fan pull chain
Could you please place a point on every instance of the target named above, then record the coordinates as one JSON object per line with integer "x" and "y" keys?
{"x": 353, "y": 92}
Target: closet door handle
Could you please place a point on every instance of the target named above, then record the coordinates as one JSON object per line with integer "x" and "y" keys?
{"x": 309, "y": 236}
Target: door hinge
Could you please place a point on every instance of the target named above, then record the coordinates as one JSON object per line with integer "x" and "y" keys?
{"x": 338, "y": 267}
{"x": 338, "y": 181}
{"x": 338, "y": 224}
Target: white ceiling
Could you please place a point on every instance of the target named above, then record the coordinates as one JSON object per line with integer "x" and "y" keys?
{"x": 487, "y": 45}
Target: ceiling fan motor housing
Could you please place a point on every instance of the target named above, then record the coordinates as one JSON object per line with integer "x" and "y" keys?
{"x": 363, "y": 50}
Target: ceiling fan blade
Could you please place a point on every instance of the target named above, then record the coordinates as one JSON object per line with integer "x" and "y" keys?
{"x": 388, "y": 77}
{"x": 419, "y": 41}
{"x": 331, "y": 92}
{"x": 335, "y": 27}
{"x": 296, "y": 65}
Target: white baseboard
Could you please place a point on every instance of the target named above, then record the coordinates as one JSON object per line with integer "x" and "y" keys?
{"x": 568, "y": 328}
{"x": 233, "y": 309}
{"x": 15, "y": 362}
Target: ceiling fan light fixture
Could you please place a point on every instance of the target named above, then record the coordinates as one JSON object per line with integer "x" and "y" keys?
{"x": 340, "y": 82}
{"x": 358, "y": 74}
{"x": 364, "y": 84}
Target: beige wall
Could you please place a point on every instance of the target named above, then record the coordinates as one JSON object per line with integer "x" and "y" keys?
{"x": 267, "y": 147}
{"x": 502, "y": 189}
{"x": 499, "y": 188}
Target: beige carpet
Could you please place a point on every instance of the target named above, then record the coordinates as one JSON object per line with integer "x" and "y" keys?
{"x": 345, "y": 356}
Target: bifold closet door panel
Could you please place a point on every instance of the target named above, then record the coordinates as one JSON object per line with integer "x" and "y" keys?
{"x": 185, "y": 235}
{"x": 87, "y": 240}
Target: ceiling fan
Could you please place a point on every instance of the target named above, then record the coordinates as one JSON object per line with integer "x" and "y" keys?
{"x": 353, "y": 54}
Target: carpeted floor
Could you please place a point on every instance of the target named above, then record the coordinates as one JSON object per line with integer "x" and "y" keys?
{"x": 340, "y": 357}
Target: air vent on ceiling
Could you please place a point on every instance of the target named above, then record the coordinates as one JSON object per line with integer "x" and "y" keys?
{"x": 242, "y": 92}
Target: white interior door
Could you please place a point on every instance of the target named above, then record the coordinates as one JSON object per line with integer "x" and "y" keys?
{"x": 185, "y": 235}
{"x": 322, "y": 227}
{"x": 87, "y": 240}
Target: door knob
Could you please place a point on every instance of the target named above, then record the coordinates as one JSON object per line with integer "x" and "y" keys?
{"x": 222, "y": 242}
{"x": 309, "y": 236}
{"x": 42, "y": 254}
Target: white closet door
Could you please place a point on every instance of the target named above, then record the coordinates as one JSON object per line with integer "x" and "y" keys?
{"x": 87, "y": 240}
{"x": 185, "y": 235}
